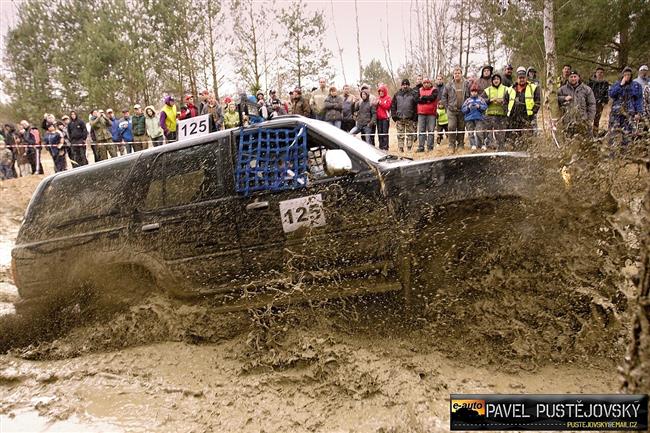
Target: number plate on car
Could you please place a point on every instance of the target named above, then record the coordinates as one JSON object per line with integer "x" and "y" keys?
{"x": 302, "y": 212}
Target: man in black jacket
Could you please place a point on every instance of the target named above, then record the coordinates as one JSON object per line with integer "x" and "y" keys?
{"x": 77, "y": 133}
{"x": 404, "y": 112}
{"x": 600, "y": 87}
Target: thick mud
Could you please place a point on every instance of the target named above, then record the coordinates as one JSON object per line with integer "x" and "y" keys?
{"x": 541, "y": 308}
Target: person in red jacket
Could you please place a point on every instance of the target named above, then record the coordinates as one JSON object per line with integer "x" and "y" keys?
{"x": 189, "y": 110}
{"x": 427, "y": 108}
{"x": 383, "y": 116}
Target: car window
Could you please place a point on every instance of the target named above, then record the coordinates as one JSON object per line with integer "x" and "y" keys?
{"x": 82, "y": 194}
{"x": 280, "y": 158}
{"x": 186, "y": 176}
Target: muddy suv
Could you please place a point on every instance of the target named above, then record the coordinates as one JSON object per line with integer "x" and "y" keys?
{"x": 241, "y": 215}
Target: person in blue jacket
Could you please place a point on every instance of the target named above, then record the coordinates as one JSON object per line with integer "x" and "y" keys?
{"x": 54, "y": 141}
{"x": 627, "y": 107}
{"x": 125, "y": 128}
{"x": 474, "y": 108}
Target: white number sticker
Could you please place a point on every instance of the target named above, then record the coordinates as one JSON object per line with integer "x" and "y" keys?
{"x": 302, "y": 212}
{"x": 194, "y": 127}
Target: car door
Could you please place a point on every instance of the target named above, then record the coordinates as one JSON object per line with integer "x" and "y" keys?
{"x": 319, "y": 223}
{"x": 186, "y": 217}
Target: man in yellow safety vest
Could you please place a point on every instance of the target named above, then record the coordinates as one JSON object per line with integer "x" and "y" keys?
{"x": 499, "y": 103}
{"x": 526, "y": 101}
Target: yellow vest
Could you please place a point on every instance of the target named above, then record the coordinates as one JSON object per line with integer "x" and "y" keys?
{"x": 492, "y": 93}
{"x": 170, "y": 117}
{"x": 529, "y": 96}
{"x": 442, "y": 116}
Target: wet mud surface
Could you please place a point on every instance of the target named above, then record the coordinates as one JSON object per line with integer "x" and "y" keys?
{"x": 540, "y": 309}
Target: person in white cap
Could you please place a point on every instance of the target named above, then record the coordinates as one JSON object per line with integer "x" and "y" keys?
{"x": 643, "y": 79}
{"x": 139, "y": 128}
{"x": 527, "y": 102}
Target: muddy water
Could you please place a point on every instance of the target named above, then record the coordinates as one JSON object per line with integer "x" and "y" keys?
{"x": 360, "y": 364}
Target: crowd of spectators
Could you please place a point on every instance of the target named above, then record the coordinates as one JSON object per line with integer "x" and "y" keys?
{"x": 497, "y": 111}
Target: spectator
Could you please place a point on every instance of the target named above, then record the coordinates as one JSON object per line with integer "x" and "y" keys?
{"x": 522, "y": 111}
{"x": 317, "y": 101}
{"x": 37, "y": 147}
{"x": 366, "y": 118}
{"x": 47, "y": 119}
{"x": 204, "y": 96}
{"x": 6, "y": 161}
{"x": 22, "y": 156}
{"x": 564, "y": 78}
{"x": 627, "y": 106}
{"x": 485, "y": 79}
{"x": 383, "y": 116}
{"x": 54, "y": 142}
{"x": 579, "y": 106}
{"x": 347, "y": 115}
{"x": 600, "y": 87}
{"x": 643, "y": 79}
{"x": 497, "y": 97}
{"x": 262, "y": 108}
{"x": 9, "y": 136}
{"x": 63, "y": 132}
{"x": 78, "y": 133}
{"x": 102, "y": 126}
{"x": 231, "y": 116}
{"x": 189, "y": 110}
{"x": 152, "y": 122}
{"x": 277, "y": 109}
{"x": 443, "y": 123}
{"x": 440, "y": 84}
{"x": 115, "y": 132}
{"x": 427, "y": 107}
{"x": 418, "y": 83}
{"x": 404, "y": 111}
{"x": 453, "y": 96}
{"x": 168, "y": 116}
{"x": 508, "y": 80}
{"x": 473, "y": 109}
{"x": 373, "y": 100}
{"x": 299, "y": 104}
{"x": 333, "y": 108}
{"x": 531, "y": 75}
{"x": 139, "y": 129}
{"x": 126, "y": 131}
{"x": 32, "y": 151}
{"x": 213, "y": 108}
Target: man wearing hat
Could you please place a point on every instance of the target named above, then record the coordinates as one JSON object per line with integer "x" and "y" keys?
{"x": 299, "y": 104}
{"x": 139, "y": 128}
{"x": 101, "y": 125}
{"x": 600, "y": 86}
{"x": 578, "y": 104}
{"x": 627, "y": 106}
{"x": 404, "y": 112}
{"x": 189, "y": 110}
{"x": 168, "y": 116}
{"x": 526, "y": 103}
{"x": 507, "y": 76}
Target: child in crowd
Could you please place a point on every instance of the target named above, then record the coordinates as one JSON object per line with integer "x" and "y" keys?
{"x": 443, "y": 123}
{"x": 473, "y": 108}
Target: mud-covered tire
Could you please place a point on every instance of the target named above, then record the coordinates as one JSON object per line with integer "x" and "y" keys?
{"x": 457, "y": 242}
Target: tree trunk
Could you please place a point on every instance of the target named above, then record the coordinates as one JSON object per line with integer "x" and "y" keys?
{"x": 356, "y": 18}
{"x": 461, "y": 11}
{"x": 637, "y": 362}
{"x": 469, "y": 38}
{"x": 550, "y": 101}
{"x": 213, "y": 57}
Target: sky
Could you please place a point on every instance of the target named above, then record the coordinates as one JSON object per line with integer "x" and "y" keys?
{"x": 373, "y": 15}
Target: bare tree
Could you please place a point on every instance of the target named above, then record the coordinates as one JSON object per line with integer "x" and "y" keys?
{"x": 551, "y": 60}
{"x": 356, "y": 18}
{"x": 338, "y": 44}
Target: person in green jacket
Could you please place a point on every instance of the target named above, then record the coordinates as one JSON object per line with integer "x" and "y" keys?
{"x": 139, "y": 128}
{"x": 231, "y": 117}
{"x": 443, "y": 123}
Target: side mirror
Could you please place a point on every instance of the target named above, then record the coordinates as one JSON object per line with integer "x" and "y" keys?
{"x": 337, "y": 162}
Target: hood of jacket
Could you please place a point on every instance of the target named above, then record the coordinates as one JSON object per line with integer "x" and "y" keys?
{"x": 147, "y": 108}
{"x": 490, "y": 68}
{"x": 383, "y": 88}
